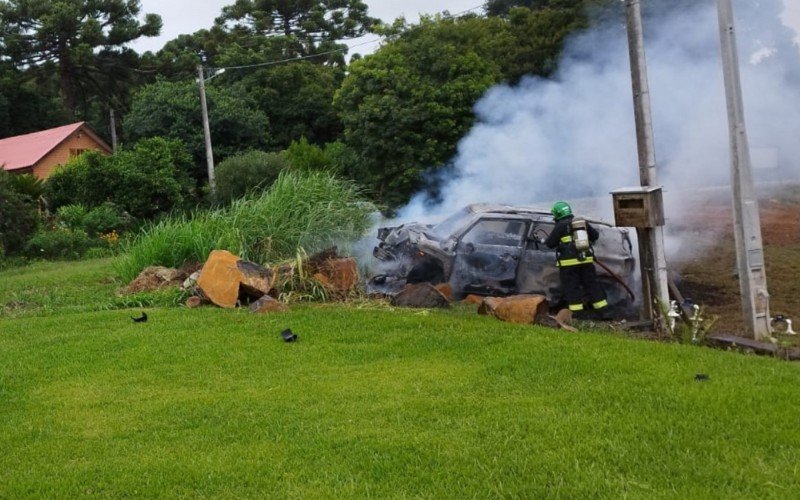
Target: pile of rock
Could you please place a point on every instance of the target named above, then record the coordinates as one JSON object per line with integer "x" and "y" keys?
{"x": 229, "y": 281}
{"x": 157, "y": 278}
{"x": 524, "y": 309}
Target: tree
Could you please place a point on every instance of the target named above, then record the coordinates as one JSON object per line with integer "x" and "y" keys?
{"x": 213, "y": 47}
{"x": 504, "y": 7}
{"x": 536, "y": 40}
{"x": 172, "y": 110}
{"x": 82, "y": 41}
{"x": 298, "y": 98}
{"x": 405, "y": 107}
{"x": 23, "y": 107}
{"x": 18, "y": 217}
{"x": 316, "y": 24}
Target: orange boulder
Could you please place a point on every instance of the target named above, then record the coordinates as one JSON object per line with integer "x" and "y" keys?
{"x": 225, "y": 277}
{"x": 526, "y": 309}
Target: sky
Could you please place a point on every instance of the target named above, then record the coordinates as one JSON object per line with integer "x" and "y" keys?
{"x": 188, "y": 16}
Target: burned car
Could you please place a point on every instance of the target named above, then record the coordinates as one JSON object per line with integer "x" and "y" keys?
{"x": 495, "y": 250}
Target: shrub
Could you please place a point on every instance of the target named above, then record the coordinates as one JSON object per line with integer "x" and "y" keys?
{"x": 95, "y": 222}
{"x": 308, "y": 210}
{"x": 72, "y": 215}
{"x": 19, "y": 218}
{"x": 144, "y": 181}
{"x": 105, "y": 219}
{"x": 334, "y": 157}
{"x": 306, "y": 156}
{"x": 28, "y": 185}
{"x": 66, "y": 185}
{"x": 248, "y": 172}
{"x": 59, "y": 243}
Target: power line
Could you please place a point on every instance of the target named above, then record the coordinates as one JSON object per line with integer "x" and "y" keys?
{"x": 298, "y": 58}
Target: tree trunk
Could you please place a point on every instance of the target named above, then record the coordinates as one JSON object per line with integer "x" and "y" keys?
{"x": 65, "y": 68}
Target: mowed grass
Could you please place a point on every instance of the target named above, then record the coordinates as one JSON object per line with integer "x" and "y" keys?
{"x": 380, "y": 402}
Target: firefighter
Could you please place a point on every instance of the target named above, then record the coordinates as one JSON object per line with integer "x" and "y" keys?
{"x": 572, "y": 238}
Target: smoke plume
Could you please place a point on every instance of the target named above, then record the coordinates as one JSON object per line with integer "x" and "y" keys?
{"x": 572, "y": 136}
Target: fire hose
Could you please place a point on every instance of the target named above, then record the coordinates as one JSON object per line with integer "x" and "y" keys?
{"x": 616, "y": 278}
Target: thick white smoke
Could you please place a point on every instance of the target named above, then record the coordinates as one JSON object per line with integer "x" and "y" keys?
{"x": 573, "y": 136}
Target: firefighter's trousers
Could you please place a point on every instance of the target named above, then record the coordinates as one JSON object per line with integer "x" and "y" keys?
{"x": 579, "y": 282}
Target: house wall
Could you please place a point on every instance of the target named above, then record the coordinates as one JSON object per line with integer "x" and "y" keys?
{"x": 79, "y": 140}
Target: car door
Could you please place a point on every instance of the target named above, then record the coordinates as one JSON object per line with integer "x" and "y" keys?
{"x": 537, "y": 272}
{"x": 487, "y": 256}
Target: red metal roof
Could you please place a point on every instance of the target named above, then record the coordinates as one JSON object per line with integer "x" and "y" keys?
{"x": 24, "y": 151}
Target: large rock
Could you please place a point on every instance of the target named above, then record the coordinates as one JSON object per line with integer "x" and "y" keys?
{"x": 476, "y": 300}
{"x": 420, "y": 295}
{"x": 446, "y": 289}
{"x": 267, "y": 304}
{"x": 256, "y": 280}
{"x": 194, "y": 302}
{"x": 338, "y": 276}
{"x": 526, "y": 309}
{"x": 154, "y": 278}
{"x": 225, "y": 278}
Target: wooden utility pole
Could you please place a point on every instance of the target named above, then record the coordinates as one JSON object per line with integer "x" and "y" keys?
{"x": 652, "y": 259}
{"x": 747, "y": 224}
{"x": 212, "y": 182}
{"x": 113, "y": 132}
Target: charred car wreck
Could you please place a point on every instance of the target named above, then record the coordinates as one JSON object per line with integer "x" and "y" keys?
{"x": 496, "y": 250}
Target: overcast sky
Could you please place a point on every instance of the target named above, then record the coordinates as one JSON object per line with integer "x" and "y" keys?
{"x": 188, "y": 16}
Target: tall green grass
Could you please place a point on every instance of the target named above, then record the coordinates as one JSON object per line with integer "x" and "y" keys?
{"x": 309, "y": 210}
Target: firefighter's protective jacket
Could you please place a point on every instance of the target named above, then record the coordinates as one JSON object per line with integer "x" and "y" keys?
{"x": 561, "y": 239}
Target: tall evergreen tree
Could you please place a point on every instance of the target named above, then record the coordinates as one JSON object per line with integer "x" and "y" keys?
{"x": 316, "y": 24}
{"x": 82, "y": 41}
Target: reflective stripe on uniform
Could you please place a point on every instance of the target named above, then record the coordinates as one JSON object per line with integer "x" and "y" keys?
{"x": 575, "y": 262}
{"x": 600, "y": 304}
{"x": 566, "y": 239}
{"x": 576, "y": 307}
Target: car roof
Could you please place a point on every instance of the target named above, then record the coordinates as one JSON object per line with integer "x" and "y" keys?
{"x": 489, "y": 208}
{"x": 482, "y": 208}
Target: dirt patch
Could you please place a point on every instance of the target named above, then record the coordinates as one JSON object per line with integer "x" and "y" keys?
{"x": 710, "y": 278}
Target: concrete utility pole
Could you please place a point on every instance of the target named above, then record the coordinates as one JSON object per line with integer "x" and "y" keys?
{"x": 212, "y": 182}
{"x": 113, "y": 132}
{"x": 747, "y": 224}
{"x": 653, "y": 262}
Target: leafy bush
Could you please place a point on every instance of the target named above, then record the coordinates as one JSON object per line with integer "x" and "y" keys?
{"x": 28, "y": 185}
{"x": 59, "y": 243}
{"x": 100, "y": 220}
{"x": 247, "y": 172}
{"x": 105, "y": 219}
{"x": 72, "y": 215}
{"x": 66, "y": 185}
{"x": 334, "y": 157}
{"x": 308, "y": 210}
{"x": 144, "y": 181}
{"x": 19, "y": 218}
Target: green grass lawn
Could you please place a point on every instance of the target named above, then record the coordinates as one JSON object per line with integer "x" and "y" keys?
{"x": 371, "y": 401}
